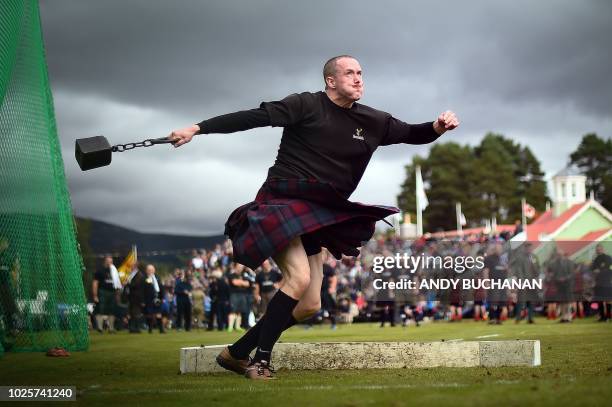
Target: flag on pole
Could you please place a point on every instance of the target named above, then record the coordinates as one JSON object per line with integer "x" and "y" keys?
{"x": 420, "y": 190}
{"x": 528, "y": 210}
{"x": 487, "y": 227}
{"x": 128, "y": 265}
{"x": 421, "y": 200}
{"x": 460, "y": 217}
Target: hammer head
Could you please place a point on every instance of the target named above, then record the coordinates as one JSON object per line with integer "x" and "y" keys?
{"x": 92, "y": 152}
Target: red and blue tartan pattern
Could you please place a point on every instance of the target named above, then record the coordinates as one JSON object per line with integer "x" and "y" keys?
{"x": 286, "y": 208}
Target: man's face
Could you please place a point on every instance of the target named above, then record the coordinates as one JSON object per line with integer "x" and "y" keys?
{"x": 347, "y": 80}
{"x": 150, "y": 270}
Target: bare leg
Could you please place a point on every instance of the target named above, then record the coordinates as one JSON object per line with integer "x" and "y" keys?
{"x": 100, "y": 322}
{"x": 476, "y": 312}
{"x": 238, "y": 322}
{"x": 111, "y": 324}
{"x": 295, "y": 267}
{"x": 231, "y": 318}
{"x": 308, "y": 305}
{"x": 452, "y": 313}
{"x": 310, "y": 302}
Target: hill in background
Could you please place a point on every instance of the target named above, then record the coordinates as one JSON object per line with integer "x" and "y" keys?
{"x": 97, "y": 238}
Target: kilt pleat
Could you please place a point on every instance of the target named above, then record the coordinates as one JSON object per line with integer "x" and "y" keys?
{"x": 286, "y": 208}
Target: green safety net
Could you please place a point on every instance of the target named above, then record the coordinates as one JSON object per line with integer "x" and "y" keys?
{"x": 42, "y": 300}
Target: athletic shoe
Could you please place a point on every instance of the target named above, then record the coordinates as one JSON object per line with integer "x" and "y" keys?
{"x": 228, "y": 362}
{"x": 260, "y": 371}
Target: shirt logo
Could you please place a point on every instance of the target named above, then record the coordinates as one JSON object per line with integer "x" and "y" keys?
{"x": 358, "y": 135}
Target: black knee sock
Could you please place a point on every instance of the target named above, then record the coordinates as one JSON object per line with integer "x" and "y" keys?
{"x": 245, "y": 345}
{"x": 278, "y": 315}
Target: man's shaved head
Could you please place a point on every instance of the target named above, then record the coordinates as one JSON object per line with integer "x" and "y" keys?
{"x": 329, "y": 69}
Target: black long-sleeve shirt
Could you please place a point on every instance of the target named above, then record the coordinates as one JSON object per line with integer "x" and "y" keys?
{"x": 322, "y": 140}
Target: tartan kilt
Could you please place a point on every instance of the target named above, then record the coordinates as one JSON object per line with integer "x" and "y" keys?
{"x": 286, "y": 208}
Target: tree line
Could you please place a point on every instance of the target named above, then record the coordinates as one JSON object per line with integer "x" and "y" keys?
{"x": 491, "y": 178}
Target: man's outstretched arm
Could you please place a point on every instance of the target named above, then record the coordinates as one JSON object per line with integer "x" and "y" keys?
{"x": 423, "y": 133}
{"x": 227, "y": 123}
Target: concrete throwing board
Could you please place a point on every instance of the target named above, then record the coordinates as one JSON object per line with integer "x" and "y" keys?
{"x": 379, "y": 355}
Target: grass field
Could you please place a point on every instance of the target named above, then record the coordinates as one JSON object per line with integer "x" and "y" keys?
{"x": 143, "y": 370}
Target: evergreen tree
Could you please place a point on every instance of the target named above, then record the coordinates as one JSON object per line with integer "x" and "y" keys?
{"x": 495, "y": 183}
{"x": 489, "y": 180}
{"x": 594, "y": 157}
{"x": 450, "y": 172}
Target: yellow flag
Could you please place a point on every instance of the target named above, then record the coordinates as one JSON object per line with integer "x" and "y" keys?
{"x": 128, "y": 265}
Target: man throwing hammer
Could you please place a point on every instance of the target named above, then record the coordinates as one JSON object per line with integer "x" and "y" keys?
{"x": 327, "y": 142}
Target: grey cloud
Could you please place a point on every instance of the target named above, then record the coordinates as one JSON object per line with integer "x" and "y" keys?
{"x": 186, "y": 54}
{"x": 535, "y": 71}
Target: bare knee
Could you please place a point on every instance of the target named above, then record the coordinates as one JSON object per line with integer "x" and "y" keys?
{"x": 299, "y": 281}
{"x": 313, "y": 309}
{"x": 306, "y": 310}
{"x": 295, "y": 282}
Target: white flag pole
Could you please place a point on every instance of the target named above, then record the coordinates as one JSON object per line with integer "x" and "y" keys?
{"x": 421, "y": 200}
{"x": 458, "y": 214}
{"x": 523, "y": 218}
{"x": 419, "y": 215}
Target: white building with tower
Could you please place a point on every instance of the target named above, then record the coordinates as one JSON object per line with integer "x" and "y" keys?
{"x": 569, "y": 188}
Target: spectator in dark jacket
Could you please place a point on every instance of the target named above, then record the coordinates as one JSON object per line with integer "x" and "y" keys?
{"x": 220, "y": 300}
{"x": 182, "y": 290}
{"x": 602, "y": 269}
{"x": 135, "y": 294}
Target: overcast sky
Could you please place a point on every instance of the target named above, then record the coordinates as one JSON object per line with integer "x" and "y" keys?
{"x": 538, "y": 72}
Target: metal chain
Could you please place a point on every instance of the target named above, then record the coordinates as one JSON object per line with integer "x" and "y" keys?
{"x": 119, "y": 148}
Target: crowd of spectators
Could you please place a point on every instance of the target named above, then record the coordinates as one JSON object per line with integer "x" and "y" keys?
{"x": 569, "y": 289}
{"x": 212, "y": 292}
